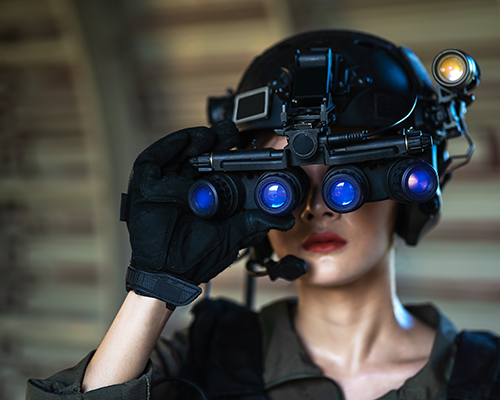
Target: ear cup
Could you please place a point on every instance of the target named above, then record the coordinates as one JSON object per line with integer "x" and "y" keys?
{"x": 414, "y": 220}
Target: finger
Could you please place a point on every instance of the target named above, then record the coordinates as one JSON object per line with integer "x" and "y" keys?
{"x": 245, "y": 228}
{"x": 178, "y": 146}
{"x": 221, "y": 136}
{"x": 201, "y": 140}
{"x": 227, "y": 135}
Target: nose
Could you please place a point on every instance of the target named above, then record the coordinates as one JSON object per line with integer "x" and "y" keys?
{"x": 315, "y": 208}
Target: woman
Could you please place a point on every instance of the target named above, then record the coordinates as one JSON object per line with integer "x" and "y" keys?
{"x": 347, "y": 336}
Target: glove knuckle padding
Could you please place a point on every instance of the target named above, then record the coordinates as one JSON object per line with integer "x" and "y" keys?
{"x": 164, "y": 188}
{"x": 163, "y": 150}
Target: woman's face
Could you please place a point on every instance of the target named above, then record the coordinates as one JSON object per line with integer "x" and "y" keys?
{"x": 338, "y": 248}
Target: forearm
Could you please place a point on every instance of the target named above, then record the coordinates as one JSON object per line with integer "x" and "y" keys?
{"x": 125, "y": 350}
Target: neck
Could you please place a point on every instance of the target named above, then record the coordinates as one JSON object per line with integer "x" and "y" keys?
{"x": 347, "y": 322}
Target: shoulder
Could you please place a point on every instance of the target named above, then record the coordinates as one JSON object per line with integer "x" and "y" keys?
{"x": 477, "y": 365}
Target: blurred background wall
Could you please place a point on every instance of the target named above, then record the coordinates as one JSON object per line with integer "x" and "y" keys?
{"x": 85, "y": 85}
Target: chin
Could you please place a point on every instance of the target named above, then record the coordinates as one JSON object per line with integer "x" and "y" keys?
{"x": 328, "y": 272}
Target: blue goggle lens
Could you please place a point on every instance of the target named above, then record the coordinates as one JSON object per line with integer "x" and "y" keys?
{"x": 419, "y": 182}
{"x": 274, "y": 195}
{"x": 342, "y": 193}
{"x": 344, "y": 189}
{"x": 411, "y": 180}
{"x": 203, "y": 198}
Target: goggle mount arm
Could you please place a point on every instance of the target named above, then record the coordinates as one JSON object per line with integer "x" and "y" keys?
{"x": 328, "y": 152}
{"x": 456, "y": 74}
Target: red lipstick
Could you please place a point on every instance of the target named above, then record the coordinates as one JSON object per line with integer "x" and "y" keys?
{"x": 323, "y": 242}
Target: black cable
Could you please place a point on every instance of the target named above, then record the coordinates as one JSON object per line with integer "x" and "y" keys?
{"x": 251, "y": 271}
{"x": 250, "y": 291}
{"x": 376, "y": 132}
{"x": 166, "y": 379}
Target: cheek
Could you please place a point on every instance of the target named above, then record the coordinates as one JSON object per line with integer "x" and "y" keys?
{"x": 375, "y": 221}
{"x": 374, "y": 227}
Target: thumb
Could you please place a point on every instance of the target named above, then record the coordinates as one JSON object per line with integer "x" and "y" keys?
{"x": 250, "y": 227}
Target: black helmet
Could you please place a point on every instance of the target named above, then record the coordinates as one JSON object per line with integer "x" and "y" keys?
{"x": 373, "y": 82}
{"x": 356, "y": 80}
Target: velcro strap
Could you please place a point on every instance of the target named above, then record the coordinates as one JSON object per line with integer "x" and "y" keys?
{"x": 162, "y": 286}
{"x": 125, "y": 207}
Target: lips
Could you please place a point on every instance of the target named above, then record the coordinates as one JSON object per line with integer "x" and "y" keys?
{"x": 323, "y": 242}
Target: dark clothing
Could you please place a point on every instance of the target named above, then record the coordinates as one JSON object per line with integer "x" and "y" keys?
{"x": 290, "y": 374}
{"x": 288, "y": 371}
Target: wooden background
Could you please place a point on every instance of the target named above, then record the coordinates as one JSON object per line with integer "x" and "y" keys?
{"x": 85, "y": 85}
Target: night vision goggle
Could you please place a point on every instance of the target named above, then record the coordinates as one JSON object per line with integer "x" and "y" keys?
{"x": 365, "y": 166}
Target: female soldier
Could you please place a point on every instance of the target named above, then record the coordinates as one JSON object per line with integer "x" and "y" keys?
{"x": 360, "y": 152}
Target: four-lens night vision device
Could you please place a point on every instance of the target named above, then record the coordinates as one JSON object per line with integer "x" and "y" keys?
{"x": 351, "y": 101}
{"x": 273, "y": 181}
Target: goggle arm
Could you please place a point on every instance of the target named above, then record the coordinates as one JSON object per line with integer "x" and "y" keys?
{"x": 326, "y": 150}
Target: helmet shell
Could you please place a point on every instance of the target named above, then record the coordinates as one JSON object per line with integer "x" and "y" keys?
{"x": 375, "y": 83}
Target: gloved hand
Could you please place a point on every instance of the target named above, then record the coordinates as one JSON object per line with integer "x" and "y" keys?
{"x": 172, "y": 249}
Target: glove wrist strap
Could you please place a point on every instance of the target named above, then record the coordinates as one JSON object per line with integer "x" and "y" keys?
{"x": 173, "y": 291}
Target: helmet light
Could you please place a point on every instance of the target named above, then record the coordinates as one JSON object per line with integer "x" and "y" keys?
{"x": 451, "y": 69}
{"x": 454, "y": 69}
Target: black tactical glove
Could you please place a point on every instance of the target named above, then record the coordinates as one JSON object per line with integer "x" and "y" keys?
{"x": 172, "y": 249}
